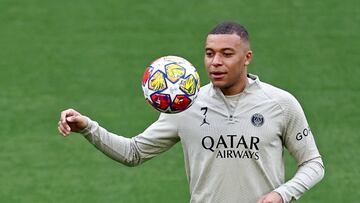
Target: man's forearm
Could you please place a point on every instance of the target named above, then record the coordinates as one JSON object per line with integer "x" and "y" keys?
{"x": 307, "y": 175}
{"x": 114, "y": 146}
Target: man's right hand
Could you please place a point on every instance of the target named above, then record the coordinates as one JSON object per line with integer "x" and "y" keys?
{"x": 71, "y": 121}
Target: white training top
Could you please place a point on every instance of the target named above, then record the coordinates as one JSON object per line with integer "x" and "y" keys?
{"x": 231, "y": 154}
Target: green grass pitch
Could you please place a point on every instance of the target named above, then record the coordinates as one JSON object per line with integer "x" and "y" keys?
{"x": 90, "y": 55}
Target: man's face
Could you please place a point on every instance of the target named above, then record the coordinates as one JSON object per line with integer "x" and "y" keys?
{"x": 226, "y": 58}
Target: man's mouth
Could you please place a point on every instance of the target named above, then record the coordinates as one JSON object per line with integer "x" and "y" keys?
{"x": 217, "y": 75}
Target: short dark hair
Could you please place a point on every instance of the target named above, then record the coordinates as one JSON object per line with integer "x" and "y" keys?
{"x": 229, "y": 27}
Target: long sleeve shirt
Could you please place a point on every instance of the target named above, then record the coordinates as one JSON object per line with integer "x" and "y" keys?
{"x": 233, "y": 146}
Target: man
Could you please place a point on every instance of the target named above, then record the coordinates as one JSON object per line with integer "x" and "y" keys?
{"x": 233, "y": 136}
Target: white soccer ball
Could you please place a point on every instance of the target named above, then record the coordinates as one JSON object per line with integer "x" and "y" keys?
{"x": 171, "y": 84}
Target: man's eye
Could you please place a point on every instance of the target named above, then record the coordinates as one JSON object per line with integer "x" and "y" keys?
{"x": 228, "y": 54}
{"x": 209, "y": 54}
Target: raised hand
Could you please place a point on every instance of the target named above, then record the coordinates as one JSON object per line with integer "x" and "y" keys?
{"x": 71, "y": 121}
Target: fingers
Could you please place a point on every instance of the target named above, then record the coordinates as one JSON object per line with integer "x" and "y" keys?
{"x": 72, "y": 119}
{"x": 65, "y": 114}
{"x": 272, "y": 197}
{"x": 63, "y": 125}
{"x": 62, "y": 129}
{"x": 261, "y": 199}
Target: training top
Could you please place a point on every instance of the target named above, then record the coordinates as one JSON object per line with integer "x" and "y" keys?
{"x": 233, "y": 146}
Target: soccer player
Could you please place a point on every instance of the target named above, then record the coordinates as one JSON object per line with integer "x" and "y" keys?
{"x": 233, "y": 136}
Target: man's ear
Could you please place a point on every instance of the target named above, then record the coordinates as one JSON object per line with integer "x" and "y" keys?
{"x": 248, "y": 57}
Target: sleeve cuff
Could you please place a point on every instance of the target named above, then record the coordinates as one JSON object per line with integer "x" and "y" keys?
{"x": 282, "y": 191}
{"x": 91, "y": 125}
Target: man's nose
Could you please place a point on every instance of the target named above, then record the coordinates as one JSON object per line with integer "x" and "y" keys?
{"x": 217, "y": 60}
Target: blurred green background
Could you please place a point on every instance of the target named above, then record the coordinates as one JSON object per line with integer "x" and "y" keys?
{"x": 90, "y": 55}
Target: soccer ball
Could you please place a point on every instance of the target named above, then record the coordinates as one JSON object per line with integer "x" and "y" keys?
{"x": 170, "y": 84}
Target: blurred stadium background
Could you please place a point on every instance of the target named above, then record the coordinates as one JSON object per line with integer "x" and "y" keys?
{"x": 90, "y": 55}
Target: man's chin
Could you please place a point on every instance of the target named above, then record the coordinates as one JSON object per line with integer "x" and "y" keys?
{"x": 219, "y": 84}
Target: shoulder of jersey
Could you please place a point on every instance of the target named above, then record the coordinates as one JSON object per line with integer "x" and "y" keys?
{"x": 282, "y": 97}
{"x": 205, "y": 90}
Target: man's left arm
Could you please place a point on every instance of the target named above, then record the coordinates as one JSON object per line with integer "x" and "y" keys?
{"x": 307, "y": 175}
{"x": 299, "y": 141}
